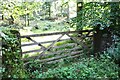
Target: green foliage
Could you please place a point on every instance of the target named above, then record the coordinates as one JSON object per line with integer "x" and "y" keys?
{"x": 87, "y": 68}
{"x": 48, "y": 26}
{"x": 93, "y": 14}
{"x": 97, "y": 13}
{"x": 115, "y": 17}
{"x": 18, "y": 10}
{"x": 114, "y": 50}
{"x": 11, "y": 55}
{"x": 46, "y": 8}
{"x": 64, "y": 42}
{"x": 25, "y": 40}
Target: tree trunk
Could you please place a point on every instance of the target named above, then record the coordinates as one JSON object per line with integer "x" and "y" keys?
{"x": 2, "y": 17}
{"x": 79, "y": 8}
{"x": 49, "y": 4}
{"x": 28, "y": 19}
{"x": 11, "y": 21}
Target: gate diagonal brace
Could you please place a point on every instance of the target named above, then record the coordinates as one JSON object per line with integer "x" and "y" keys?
{"x": 49, "y": 47}
{"x": 36, "y": 43}
{"x": 83, "y": 45}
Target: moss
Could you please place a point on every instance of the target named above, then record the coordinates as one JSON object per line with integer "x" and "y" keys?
{"x": 11, "y": 55}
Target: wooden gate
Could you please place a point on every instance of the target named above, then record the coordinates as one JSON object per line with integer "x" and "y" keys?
{"x": 68, "y": 44}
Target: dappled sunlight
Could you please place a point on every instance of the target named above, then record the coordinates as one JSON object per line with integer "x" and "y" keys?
{"x": 60, "y": 39}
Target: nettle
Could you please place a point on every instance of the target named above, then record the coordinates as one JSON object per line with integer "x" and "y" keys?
{"x": 11, "y": 57}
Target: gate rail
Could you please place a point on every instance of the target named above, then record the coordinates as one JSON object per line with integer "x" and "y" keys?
{"x": 77, "y": 43}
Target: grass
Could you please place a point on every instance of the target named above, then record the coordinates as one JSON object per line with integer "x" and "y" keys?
{"x": 52, "y": 50}
{"x": 44, "y": 27}
{"x": 49, "y": 26}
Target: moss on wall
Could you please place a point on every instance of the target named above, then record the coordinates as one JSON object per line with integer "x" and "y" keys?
{"x": 11, "y": 55}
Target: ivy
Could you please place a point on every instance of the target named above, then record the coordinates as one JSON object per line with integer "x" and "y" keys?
{"x": 11, "y": 55}
{"x": 97, "y": 13}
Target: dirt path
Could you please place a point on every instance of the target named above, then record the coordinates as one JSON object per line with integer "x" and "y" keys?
{"x": 39, "y": 39}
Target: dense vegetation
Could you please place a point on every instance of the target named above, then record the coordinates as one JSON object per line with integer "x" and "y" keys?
{"x": 12, "y": 64}
{"x": 101, "y": 17}
{"x": 93, "y": 14}
{"x": 85, "y": 68}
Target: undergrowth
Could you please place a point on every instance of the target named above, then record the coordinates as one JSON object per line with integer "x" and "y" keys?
{"x": 85, "y": 68}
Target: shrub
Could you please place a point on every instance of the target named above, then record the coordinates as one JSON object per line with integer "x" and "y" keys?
{"x": 114, "y": 51}
{"x": 88, "y": 68}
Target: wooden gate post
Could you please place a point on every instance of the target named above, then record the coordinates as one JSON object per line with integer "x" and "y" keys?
{"x": 102, "y": 40}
